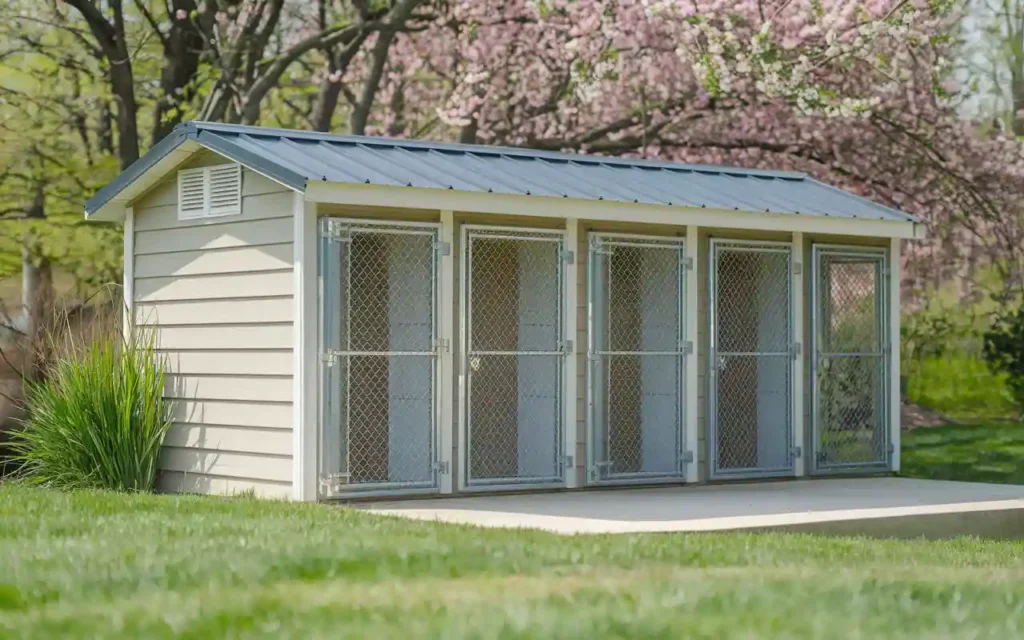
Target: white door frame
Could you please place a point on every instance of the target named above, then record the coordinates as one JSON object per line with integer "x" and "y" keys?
{"x": 465, "y": 335}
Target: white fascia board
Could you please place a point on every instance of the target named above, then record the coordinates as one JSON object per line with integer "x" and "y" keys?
{"x": 542, "y": 206}
{"x": 114, "y": 211}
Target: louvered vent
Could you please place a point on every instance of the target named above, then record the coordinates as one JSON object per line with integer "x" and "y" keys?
{"x": 210, "y": 191}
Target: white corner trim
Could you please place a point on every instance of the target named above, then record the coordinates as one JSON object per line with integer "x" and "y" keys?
{"x": 304, "y": 407}
{"x": 895, "y": 402}
{"x": 473, "y": 202}
{"x": 128, "y": 283}
{"x": 692, "y": 391}
{"x": 799, "y": 399}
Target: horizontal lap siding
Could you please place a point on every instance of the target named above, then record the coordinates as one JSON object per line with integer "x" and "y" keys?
{"x": 220, "y": 294}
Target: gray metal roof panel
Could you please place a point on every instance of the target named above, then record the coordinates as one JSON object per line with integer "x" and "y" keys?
{"x": 295, "y": 157}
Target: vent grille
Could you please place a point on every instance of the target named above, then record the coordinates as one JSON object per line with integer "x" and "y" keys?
{"x": 210, "y": 192}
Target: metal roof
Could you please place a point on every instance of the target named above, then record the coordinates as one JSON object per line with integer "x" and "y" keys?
{"x": 295, "y": 158}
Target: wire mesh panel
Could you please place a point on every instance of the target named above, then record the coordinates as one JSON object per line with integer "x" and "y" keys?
{"x": 378, "y": 333}
{"x": 636, "y": 358}
{"x": 513, "y": 357}
{"x": 750, "y": 359}
{"x": 849, "y": 364}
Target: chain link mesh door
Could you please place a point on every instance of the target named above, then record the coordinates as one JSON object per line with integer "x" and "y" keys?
{"x": 849, "y": 371}
{"x": 750, "y": 359}
{"x": 514, "y": 357}
{"x": 636, "y": 358}
{"x": 378, "y": 299}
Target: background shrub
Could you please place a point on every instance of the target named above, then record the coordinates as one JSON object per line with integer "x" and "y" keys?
{"x": 1004, "y": 350}
{"x": 97, "y": 419}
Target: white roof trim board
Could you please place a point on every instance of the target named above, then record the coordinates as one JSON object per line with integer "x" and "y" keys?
{"x": 297, "y": 158}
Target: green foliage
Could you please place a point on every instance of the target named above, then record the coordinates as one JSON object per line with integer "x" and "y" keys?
{"x": 961, "y": 386}
{"x": 974, "y": 453}
{"x": 942, "y": 349}
{"x": 97, "y": 420}
{"x": 1004, "y": 350}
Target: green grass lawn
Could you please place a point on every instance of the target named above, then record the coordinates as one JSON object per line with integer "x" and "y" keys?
{"x": 91, "y": 564}
{"x": 975, "y": 453}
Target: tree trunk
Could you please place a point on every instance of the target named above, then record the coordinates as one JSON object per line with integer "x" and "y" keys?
{"x": 37, "y": 293}
{"x": 326, "y": 103}
{"x": 1017, "y": 94}
{"x": 105, "y": 135}
{"x": 127, "y": 112}
{"x": 181, "y": 63}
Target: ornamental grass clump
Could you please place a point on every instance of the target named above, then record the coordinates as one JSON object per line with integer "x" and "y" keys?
{"x": 97, "y": 417}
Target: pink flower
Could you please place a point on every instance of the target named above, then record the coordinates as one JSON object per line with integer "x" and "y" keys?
{"x": 181, "y": 14}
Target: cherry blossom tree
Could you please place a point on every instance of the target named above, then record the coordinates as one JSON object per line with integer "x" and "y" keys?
{"x": 859, "y": 94}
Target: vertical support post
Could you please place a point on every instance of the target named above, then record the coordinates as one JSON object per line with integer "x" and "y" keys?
{"x": 571, "y": 315}
{"x": 894, "y": 351}
{"x": 799, "y": 402}
{"x": 128, "y": 285}
{"x": 462, "y": 423}
{"x": 692, "y": 391}
{"x": 304, "y": 396}
{"x": 447, "y": 373}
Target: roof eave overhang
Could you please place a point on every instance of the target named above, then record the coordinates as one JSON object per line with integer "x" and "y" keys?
{"x": 111, "y": 202}
{"x": 546, "y": 206}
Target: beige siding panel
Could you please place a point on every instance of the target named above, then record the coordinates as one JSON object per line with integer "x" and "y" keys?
{"x": 229, "y": 464}
{"x": 235, "y": 439}
{"x": 178, "y": 482}
{"x": 265, "y": 414}
{"x": 243, "y": 336}
{"x": 271, "y": 257}
{"x": 235, "y": 285}
{"x": 255, "y": 388}
{"x": 242, "y": 362}
{"x": 241, "y": 233}
{"x": 254, "y": 207}
{"x": 220, "y": 293}
{"x": 192, "y": 312}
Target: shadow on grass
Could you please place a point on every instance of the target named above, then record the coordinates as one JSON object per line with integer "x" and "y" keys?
{"x": 974, "y": 453}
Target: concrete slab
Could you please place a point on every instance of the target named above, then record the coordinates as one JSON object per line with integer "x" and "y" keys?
{"x": 885, "y": 507}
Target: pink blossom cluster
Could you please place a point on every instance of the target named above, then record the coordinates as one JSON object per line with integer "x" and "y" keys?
{"x": 859, "y": 94}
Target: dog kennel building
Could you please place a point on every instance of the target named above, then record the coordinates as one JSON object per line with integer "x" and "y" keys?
{"x": 349, "y": 316}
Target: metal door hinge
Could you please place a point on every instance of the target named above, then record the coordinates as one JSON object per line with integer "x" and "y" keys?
{"x": 331, "y": 483}
{"x": 798, "y": 268}
{"x": 687, "y": 347}
{"x": 335, "y": 230}
{"x": 794, "y": 350}
{"x": 688, "y": 264}
{"x": 442, "y": 468}
{"x": 567, "y": 255}
{"x": 568, "y": 462}
{"x": 797, "y": 452}
{"x": 892, "y": 448}
{"x": 443, "y": 248}
{"x": 687, "y": 457}
{"x": 442, "y": 345}
{"x": 566, "y": 347}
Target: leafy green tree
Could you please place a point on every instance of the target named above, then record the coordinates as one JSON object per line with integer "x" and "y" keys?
{"x": 1004, "y": 350}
